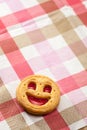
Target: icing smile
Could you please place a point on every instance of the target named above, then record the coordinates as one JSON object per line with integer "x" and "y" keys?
{"x": 37, "y": 101}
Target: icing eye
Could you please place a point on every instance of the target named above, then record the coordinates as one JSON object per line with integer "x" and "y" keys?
{"x": 32, "y": 85}
{"x": 47, "y": 88}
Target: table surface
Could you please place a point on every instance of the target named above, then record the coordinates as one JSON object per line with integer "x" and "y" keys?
{"x": 47, "y": 37}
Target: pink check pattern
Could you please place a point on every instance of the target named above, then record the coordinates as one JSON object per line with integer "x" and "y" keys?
{"x": 46, "y": 37}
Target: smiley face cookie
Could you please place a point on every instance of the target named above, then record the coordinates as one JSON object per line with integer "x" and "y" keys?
{"x": 38, "y": 94}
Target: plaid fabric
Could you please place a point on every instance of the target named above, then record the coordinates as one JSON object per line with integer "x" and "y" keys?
{"x": 44, "y": 37}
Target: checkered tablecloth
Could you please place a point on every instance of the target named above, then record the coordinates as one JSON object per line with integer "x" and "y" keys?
{"x": 46, "y": 37}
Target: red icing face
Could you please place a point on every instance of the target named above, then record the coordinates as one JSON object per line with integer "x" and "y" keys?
{"x": 35, "y": 100}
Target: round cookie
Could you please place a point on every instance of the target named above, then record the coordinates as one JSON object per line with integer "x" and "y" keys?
{"x": 38, "y": 94}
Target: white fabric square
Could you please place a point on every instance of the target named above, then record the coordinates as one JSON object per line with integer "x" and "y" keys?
{"x": 84, "y": 90}
{"x": 85, "y": 3}
{"x": 67, "y": 11}
{"x": 4, "y": 125}
{"x": 43, "y": 21}
{"x": 12, "y": 86}
{"x": 4, "y": 62}
{"x": 4, "y": 9}
{"x": 77, "y": 125}
{"x": 81, "y": 31}
{"x": 47, "y": 73}
{"x": 15, "y": 30}
{"x": 73, "y": 66}
{"x": 57, "y": 42}
{"x": 29, "y": 52}
{"x": 30, "y": 119}
{"x": 64, "y": 103}
{"x": 29, "y": 3}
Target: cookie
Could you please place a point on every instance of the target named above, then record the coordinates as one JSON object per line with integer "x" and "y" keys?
{"x": 38, "y": 94}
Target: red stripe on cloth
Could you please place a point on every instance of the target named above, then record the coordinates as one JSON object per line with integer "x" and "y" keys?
{"x": 73, "y": 2}
{"x": 29, "y": 13}
{"x": 81, "y": 78}
{"x": 41, "y": 10}
{"x": 2, "y": 28}
{"x": 79, "y": 8}
{"x": 36, "y": 11}
{"x": 16, "y": 59}
{"x": 49, "y": 6}
{"x": 9, "y": 20}
{"x": 55, "y": 121}
{"x": 1, "y": 117}
{"x": 83, "y": 17}
{"x": 9, "y": 109}
{"x": 8, "y": 45}
{"x": 22, "y": 15}
{"x": 73, "y": 82}
{"x": 60, "y": 3}
{"x": 68, "y": 84}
